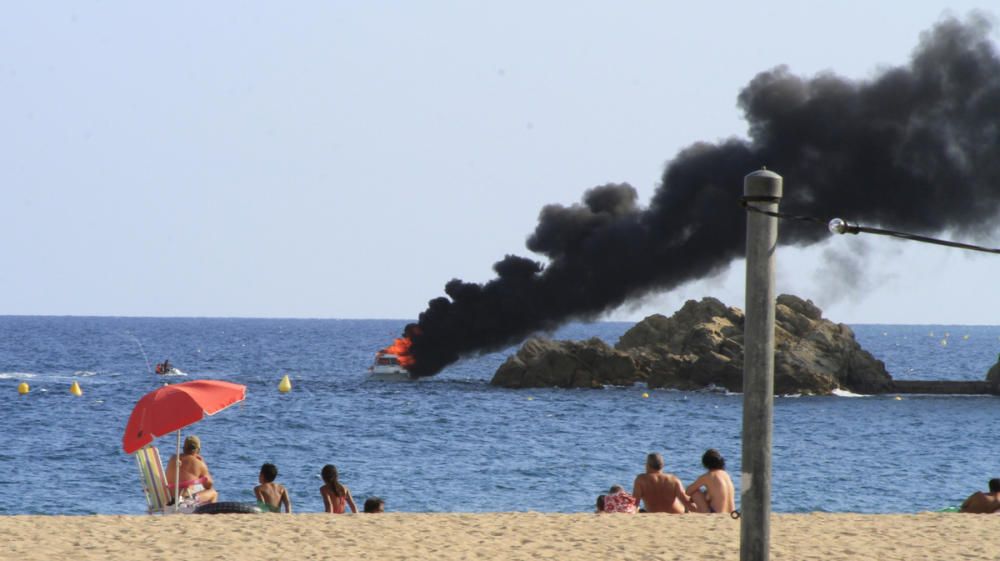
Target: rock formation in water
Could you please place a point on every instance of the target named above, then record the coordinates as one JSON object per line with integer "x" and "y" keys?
{"x": 701, "y": 346}
{"x": 543, "y": 363}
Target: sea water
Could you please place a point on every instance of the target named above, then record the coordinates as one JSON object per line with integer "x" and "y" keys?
{"x": 453, "y": 443}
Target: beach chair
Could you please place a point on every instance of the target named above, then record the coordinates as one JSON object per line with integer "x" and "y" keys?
{"x": 154, "y": 481}
{"x": 154, "y": 484}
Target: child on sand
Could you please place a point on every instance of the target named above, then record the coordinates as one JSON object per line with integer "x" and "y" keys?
{"x": 374, "y": 505}
{"x": 270, "y": 495}
{"x": 600, "y": 504}
{"x": 335, "y": 495}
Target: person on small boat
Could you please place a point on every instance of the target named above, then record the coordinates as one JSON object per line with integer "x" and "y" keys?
{"x": 983, "y": 503}
{"x": 163, "y": 367}
{"x": 195, "y": 480}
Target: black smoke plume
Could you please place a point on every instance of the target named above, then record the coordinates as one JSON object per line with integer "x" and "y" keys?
{"x": 916, "y": 148}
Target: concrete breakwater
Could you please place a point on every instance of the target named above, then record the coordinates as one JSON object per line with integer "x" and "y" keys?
{"x": 939, "y": 387}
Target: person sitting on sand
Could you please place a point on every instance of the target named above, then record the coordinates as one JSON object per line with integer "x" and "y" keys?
{"x": 271, "y": 495}
{"x": 374, "y": 505}
{"x": 658, "y": 491}
{"x": 713, "y": 492}
{"x": 600, "y": 504}
{"x": 983, "y": 503}
{"x": 619, "y": 500}
{"x": 335, "y": 495}
{"x": 195, "y": 480}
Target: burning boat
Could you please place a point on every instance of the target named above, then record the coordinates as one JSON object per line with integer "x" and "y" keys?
{"x": 387, "y": 367}
{"x": 393, "y": 362}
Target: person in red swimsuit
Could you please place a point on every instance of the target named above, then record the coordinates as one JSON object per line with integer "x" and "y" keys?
{"x": 336, "y": 496}
{"x": 194, "y": 476}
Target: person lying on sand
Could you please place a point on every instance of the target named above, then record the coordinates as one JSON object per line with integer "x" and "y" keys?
{"x": 270, "y": 494}
{"x": 195, "y": 480}
{"x": 713, "y": 492}
{"x": 660, "y": 492}
{"x": 619, "y": 500}
{"x": 983, "y": 503}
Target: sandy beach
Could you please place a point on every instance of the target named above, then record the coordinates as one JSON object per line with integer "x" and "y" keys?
{"x": 795, "y": 537}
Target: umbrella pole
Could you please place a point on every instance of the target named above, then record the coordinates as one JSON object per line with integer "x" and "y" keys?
{"x": 177, "y": 474}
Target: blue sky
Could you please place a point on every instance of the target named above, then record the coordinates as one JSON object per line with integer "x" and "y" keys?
{"x": 346, "y": 159}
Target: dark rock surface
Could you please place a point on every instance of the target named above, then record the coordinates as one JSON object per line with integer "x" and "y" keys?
{"x": 544, "y": 363}
{"x": 701, "y": 346}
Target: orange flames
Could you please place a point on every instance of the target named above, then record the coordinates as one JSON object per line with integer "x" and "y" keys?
{"x": 401, "y": 348}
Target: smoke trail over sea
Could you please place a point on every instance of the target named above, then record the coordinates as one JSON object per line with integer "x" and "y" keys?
{"x": 916, "y": 148}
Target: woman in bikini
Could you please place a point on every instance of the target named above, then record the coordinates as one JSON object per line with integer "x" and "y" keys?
{"x": 336, "y": 496}
{"x": 713, "y": 492}
{"x": 194, "y": 477}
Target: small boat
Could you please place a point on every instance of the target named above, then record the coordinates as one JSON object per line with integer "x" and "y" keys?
{"x": 166, "y": 369}
{"x": 387, "y": 367}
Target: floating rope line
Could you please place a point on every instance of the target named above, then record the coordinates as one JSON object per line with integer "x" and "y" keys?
{"x": 838, "y": 226}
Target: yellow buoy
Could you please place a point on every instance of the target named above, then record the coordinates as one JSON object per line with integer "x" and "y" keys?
{"x": 285, "y": 385}
{"x": 23, "y": 388}
{"x": 75, "y": 389}
{"x": 644, "y": 394}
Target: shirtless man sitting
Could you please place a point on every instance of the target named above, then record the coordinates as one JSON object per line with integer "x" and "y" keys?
{"x": 271, "y": 496}
{"x": 713, "y": 492}
{"x": 658, "y": 491}
{"x": 983, "y": 503}
{"x": 194, "y": 477}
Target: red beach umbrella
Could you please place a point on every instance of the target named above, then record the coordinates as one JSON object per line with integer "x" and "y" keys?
{"x": 173, "y": 407}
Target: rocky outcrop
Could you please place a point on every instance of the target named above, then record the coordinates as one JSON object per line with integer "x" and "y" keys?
{"x": 701, "y": 346}
{"x": 566, "y": 364}
{"x": 820, "y": 356}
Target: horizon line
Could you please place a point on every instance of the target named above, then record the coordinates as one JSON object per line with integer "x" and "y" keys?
{"x": 301, "y": 318}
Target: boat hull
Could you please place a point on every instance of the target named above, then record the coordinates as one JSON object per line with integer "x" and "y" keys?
{"x": 391, "y": 376}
